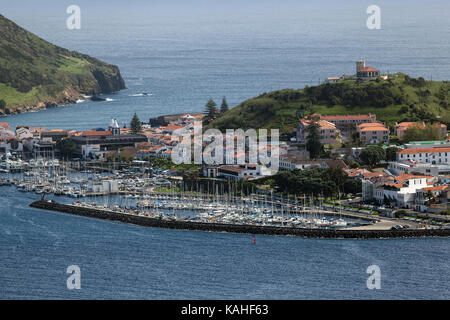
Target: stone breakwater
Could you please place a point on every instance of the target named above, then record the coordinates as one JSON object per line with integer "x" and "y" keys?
{"x": 237, "y": 228}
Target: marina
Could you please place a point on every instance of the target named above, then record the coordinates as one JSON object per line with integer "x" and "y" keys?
{"x": 128, "y": 192}
{"x": 170, "y": 223}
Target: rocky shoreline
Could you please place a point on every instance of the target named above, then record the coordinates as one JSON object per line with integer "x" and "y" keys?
{"x": 237, "y": 228}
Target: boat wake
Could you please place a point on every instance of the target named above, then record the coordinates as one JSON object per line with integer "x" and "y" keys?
{"x": 141, "y": 95}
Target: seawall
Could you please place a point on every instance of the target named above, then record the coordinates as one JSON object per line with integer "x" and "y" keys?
{"x": 237, "y": 228}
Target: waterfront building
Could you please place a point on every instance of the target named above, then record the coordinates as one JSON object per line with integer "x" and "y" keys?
{"x": 96, "y": 143}
{"x": 243, "y": 171}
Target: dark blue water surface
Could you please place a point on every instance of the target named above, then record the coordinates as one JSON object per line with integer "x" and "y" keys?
{"x": 131, "y": 262}
{"x": 185, "y": 52}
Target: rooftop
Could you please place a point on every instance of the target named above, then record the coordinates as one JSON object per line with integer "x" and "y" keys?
{"x": 424, "y": 150}
{"x": 348, "y": 117}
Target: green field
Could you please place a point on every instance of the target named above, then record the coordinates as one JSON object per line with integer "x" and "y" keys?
{"x": 400, "y": 98}
{"x": 33, "y": 70}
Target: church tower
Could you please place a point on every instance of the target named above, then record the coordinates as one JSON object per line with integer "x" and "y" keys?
{"x": 114, "y": 127}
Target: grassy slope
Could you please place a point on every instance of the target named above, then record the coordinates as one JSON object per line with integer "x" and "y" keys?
{"x": 282, "y": 109}
{"x": 33, "y": 70}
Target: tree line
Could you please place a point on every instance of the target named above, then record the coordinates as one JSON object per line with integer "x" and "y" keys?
{"x": 212, "y": 112}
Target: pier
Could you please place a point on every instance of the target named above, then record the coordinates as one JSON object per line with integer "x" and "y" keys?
{"x": 236, "y": 228}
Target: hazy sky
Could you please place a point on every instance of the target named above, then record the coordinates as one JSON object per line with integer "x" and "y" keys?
{"x": 201, "y": 7}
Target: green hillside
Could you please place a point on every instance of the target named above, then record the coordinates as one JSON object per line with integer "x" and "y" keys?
{"x": 35, "y": 73}
{"x": 396, "y": 99}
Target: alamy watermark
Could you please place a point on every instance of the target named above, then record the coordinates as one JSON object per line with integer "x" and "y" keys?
{"x": 74, "y": 20}
{"x": 374, "y": 20}
{"x": 74, "y": 280}
{"x": 374, "y": 280}
{"x": 233, "y": 147}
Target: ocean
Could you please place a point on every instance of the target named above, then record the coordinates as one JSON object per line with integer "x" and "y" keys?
{"x": 183, "y": 55}
{"x": 123, "y": 261}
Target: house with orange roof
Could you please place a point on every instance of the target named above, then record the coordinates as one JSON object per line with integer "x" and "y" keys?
{"x": 400, "y": 128}
{"x": 329, "y": 134}
{"x": 366, "y": 73}
{"x": 5, "y": 125}
{"x": 171, "y": 127}
{"x": 373, "y": 132}
{"x": 431, "y": 199}
{"x": 342, "y": 122}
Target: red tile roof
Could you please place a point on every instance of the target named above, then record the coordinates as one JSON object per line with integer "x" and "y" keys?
{"x": 438, "y": 188}
{"x": 375, "y": 128}
{"x": 424, "y": 150}
{"x": 347, "y": 117}
{"x": 92, "y": 133}
{"x": 368, "y": 69}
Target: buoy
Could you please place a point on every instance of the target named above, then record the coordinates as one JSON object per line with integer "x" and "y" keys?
{"x": 254, "y": 240}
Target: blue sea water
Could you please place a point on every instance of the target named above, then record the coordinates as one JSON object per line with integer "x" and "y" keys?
{"x": 122, "y": 261}
{"x": 183, "y": 55}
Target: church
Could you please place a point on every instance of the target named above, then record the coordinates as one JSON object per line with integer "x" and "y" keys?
{"x": 95, "y": 143}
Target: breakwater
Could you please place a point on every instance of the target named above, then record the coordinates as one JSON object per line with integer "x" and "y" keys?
{"x": 236, "y": 228}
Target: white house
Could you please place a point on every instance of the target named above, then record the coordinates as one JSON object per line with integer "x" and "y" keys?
{"x": 402, "y": 194}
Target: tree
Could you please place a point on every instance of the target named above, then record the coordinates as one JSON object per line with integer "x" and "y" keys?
{"x": 418, "y": 132}
{"x": 135, "y": 124}
{"x": 313, "y": 144}
{"x": 430, "y": 197}
{"x": 224, "y": 107}
{"x": 67, "y": 148}
{"x": 210, "y": 111}
{"x": 391, "y": 153}
{"x": 2, "y": 104}
{"x": 372, "y": 155}
{"x": 337, "y": 175}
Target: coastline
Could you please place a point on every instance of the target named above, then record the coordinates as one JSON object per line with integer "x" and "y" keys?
{"x": 238, "y": 228}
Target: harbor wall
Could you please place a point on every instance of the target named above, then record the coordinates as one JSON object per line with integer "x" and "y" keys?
{"x": 236, "y": 228}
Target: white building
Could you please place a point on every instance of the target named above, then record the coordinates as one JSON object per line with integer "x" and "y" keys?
{"x": 402, "y": 195}
{"x": 105, "y": 186}
{"x": 399, "y": 167}
{"x": 436, "y": 155}
{"x": 244, "y": 171}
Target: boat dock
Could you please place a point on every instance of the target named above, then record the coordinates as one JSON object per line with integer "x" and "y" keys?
{"x": 235, "y": 228}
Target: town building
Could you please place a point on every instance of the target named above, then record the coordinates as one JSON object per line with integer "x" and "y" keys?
{"x": 95, "y": 144}
{"x": 400, "y": 128}
{"x": 408, "y": 166}
{"x": 436, "y": 155}
{"x": 373, "y": 132}
{"x": 400, "y": 193}
{"x": 366, "y": 73}
{"x": 343, "y": 122}
{"x": 329, "y": 134}
{"x": 243, "y": 171}
{"x": 332, "y": 79}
